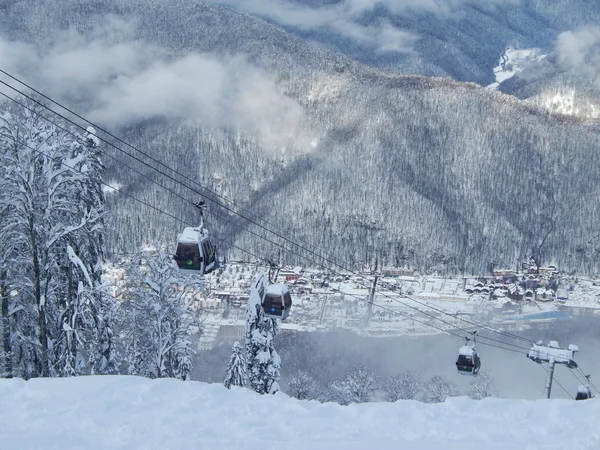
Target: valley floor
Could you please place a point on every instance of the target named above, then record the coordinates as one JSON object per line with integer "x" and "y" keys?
{"x": 120, "y": 412}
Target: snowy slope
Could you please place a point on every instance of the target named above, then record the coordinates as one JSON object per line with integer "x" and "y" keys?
{"x": 513, "y": 61}
{"x": 567, "y": 101}
{"x": 130, "y": 412}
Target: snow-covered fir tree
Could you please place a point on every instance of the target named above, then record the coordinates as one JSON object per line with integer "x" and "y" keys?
{"x": 157, "y": 317}
{"x": 237, "y": 367}
{"x": 100, "y": 346}
{"x": 438, "y": 389}
{"x": 264, "y": 363}
{"x": 303, "y": 386}
{"x": 405, "y": 386}
{"x": 357, "y": 387}
{"x": 52, "y": 236}
{"x": 482, "y": 386}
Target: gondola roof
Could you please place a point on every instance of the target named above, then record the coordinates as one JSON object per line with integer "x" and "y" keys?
{"x": 190, "y": 235}
{"x": 466, "y": 350}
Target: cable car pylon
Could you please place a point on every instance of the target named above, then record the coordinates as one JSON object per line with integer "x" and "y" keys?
{"x": 552, "y": 354}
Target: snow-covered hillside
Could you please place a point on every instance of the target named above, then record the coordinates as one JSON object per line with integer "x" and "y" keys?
{"x": 568, "y": 102}
{"x": 513, "y": 61}
{"x": 129, "y": 412}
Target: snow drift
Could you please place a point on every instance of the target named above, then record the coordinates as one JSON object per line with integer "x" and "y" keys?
{"x": 131, "y": 412}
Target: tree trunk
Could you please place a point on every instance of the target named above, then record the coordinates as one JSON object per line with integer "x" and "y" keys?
{"x": 40, "y": 303}
{"x": 6, "y": 347}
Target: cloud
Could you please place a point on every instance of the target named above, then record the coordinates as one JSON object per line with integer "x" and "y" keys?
{"x": 205, "y": 91}
{"x": 580, "y": 50}
{"x": 344, "y": 17}
{"x": 340, "y": 18}
{"x": 382, "y": 39}
{"x": 123, "y": 81}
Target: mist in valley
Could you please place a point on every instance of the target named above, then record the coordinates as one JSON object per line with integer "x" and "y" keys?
{"x": 329, "y": 356}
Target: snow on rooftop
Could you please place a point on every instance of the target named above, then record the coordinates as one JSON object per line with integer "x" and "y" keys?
{"x": 110, "y": 412}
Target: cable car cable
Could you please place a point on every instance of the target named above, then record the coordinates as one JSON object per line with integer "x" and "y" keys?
{"x": 488, "y": 328}
{"x": 557, "y": 382}
{"x": 562, "y": 387}
{"x": 157, "y": 161}
{"x": 144, "y": 202}
{"x": 575, "y": 375}
{"x": 258, "y": 257}
{"x": 454, "y": 326}
{"x": 263, "y": 237}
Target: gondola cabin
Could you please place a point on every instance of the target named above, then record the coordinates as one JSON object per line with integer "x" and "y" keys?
{"x": 195, "y": 253}
{"x": 583, "y": 393}
{"x": 277, "y": 301}
{"x": 468, "y": 362}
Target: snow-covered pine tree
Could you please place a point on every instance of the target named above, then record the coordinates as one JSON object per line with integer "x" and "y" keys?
{"x": 101, "y": 351}
{"x": 303, "y": 387}
{"x": 357, "y": 387}
{"x": 91, "y": 309}
{"x": 264, "y": 363}
{"x": 157, "y": 317}
{"x": 438, "y": 389}
{"x": 237, "y": 367}
{"x": 52, "y": 215}
{"x": 482, "y": 386}
{"x": 405, "y": 386}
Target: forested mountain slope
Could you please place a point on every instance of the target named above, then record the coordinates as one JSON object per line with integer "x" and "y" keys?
{"x": 352, "y": 161}
{"x": 462, "y": 39}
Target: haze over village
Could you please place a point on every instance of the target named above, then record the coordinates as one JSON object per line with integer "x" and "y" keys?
{"x": 325, "y": 301}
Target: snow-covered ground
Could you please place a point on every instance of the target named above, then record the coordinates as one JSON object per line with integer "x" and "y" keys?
{"x": 513, "y": 61}
{"x": 120, "y": 412}
{"x": 567, "y": 101}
